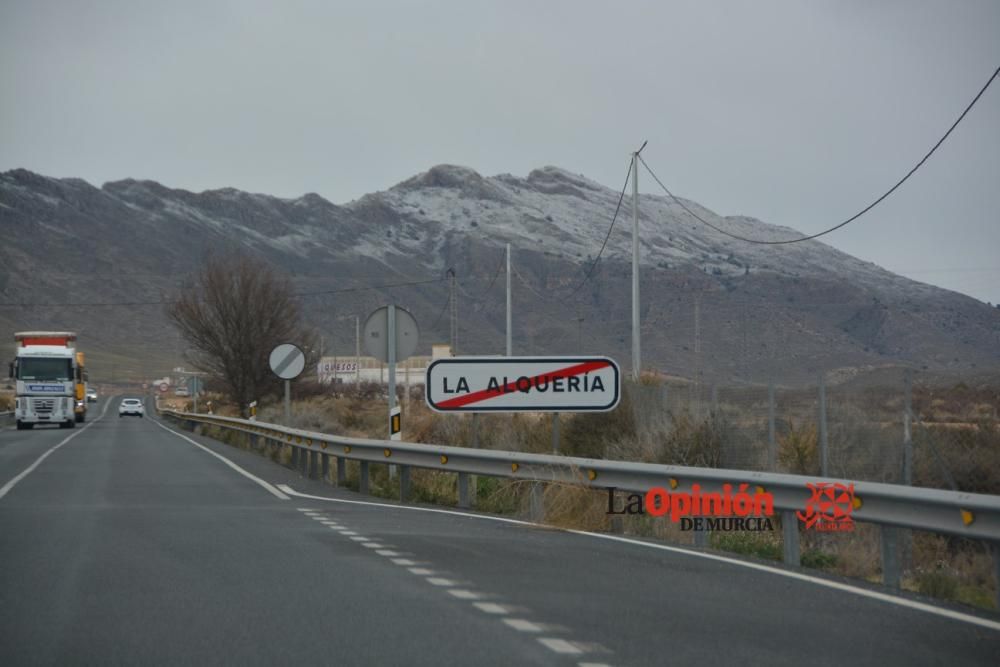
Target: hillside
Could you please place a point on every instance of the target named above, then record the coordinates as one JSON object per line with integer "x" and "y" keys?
{"x": 788, "y": 310}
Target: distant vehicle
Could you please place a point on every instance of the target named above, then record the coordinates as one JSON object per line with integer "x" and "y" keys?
{"x": 50, "y": 379}
{"x": 91, "y": 395}
{"x": 131, "y": 406}
{"x": 181, "y": 391}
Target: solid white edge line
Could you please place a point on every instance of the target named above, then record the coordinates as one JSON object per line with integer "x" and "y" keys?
{"x": 266, "y": 485}
{"x": 836, "y": 585}
{"x": 5, "y": 489}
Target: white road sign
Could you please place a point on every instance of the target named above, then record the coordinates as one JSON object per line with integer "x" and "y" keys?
{"x": 287, "y": 361}
{"x": 523, "y": 384}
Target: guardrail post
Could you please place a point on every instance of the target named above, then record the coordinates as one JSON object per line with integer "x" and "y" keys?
{"x": 996, "y": 571}
{"x": 404, "y": 483}
{"x": 295, "y": 458}
{"x": 341, "y": 471}
{"x": 790, "y": 538}
{"x": 463, "y": 490}
{"x": 890, "y": 556}
{"x": 313, "y": 464}
{"x": 326, "y": 466}
{"x": 701, "y": 537}
{"x": 363, "y": 478}
{"x": 537, "y": 501}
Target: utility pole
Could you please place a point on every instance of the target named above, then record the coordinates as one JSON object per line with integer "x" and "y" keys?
{"x": 636, "y": 353}
{"x": 508, "y": 303}
{"x": 453, "y": 298}
{"x": 357, "y": 351}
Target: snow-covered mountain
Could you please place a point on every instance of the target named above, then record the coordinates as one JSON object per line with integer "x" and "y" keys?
{"x": 712, "y": 305}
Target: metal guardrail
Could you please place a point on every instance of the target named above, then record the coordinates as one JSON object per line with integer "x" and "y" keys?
{"x": 969, "y": 515}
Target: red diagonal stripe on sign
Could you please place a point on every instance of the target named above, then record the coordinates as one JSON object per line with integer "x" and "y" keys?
{"x": 511, "y": 387}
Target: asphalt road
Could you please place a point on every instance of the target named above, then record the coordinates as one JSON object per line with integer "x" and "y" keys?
{"x": 130, "y": 544}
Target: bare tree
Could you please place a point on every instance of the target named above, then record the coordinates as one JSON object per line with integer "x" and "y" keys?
{"x": 232, "y": 316}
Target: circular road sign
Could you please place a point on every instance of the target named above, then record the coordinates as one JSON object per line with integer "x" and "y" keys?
{"x": 287, "y": 361}
{"x": 376, "y": 334}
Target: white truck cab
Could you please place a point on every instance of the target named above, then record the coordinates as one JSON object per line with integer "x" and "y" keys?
{"x": 46, "y": 374}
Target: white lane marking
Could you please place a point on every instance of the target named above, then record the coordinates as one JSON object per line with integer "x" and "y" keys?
{"x": 405, "y": 562}
{"x": 559, "y": 646}
{"x": 373, "y": 545}
{"x": 388, "y": 552}
{"x": 491, "y": 608}
{"x": 305, "y": 509}
{"x": 836, "y": 585}
{"x": 348, "y": 532}
{"x": 359, "y": 538}
{"x": 267, "y": 486}
{"x": 421, "y": 571}
{"x": 592, "y": 664}
{"x": 314, "y": 514}
{"x": 463, "y": 594}
{"x": 522, "y": 625}
{"x": 5, "y": 489}
{"x": 438, "y": 581}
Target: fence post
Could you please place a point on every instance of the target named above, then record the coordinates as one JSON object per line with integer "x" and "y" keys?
{"x": 295, "y": 459}
{"x": 341, "y": 463}
{"x": 790, "y": 538}
{"x": 326, "y": 467}
{"x": 313, "y": 464}
{"x": 824, "y": 452}
{"x": 363, "y": 478}
{"x": 772, "y": 445}
{"x": 890, "y": 556}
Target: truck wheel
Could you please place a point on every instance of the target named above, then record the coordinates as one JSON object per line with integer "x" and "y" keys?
{"x": 23, "y": 426}
{"x": 79, "y": 419}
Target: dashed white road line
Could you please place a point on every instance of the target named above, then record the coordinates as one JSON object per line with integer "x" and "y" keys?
{"x": 791, "y": 574}
{"x": 463, "y": 594}
{"x": 490, "y": 608}
{"x": 421, "y": 571}
{"x": 522, "y": 625}
{"x": 405, "y": 562}
{"x": 438, "y": 581}
{"x": 359, "y": 538}
{"x": 388, "y": 552}
{"x": 559, "y": 646}
{"x": 5, "y": 489}
{"x": 347, "y": 532}
{"x": 373, "y": 545}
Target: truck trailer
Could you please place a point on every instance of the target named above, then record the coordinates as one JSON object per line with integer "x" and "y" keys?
{"x": 50, "y": 379}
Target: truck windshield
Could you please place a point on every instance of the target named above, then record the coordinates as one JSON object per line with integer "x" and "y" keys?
{"x": 52, "y": 370}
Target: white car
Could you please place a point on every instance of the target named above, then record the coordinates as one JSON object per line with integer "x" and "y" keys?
{"x": 131, "y": 406}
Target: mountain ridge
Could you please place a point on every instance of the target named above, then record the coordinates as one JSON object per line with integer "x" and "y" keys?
{"x": 74, "y": 242}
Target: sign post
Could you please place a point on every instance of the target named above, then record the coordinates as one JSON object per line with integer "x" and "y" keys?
{"x": 391, "y": 335}
{"x": 287, "y": 361}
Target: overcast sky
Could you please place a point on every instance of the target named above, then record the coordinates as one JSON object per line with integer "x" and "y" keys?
{"x": 798, "y": 113}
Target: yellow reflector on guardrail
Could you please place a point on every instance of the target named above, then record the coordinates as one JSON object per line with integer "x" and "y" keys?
{"x": 514, "y": 467}
{"x": 347, "y": 449}
{"x": 591, "y": 475}
{"x": 673, "y": 483}
{"x": 968, "y": 517}
{"x": 856, "y": 503}
{"x": 386, "y": 452}
{"x": 444, "y": 458}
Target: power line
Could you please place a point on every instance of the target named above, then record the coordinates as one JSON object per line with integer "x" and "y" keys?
{"x": 853, "y": 217}
{"x": 165, "y": 302}
{"x": 503, "y": 255}
{"x": 607, "y": 236}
